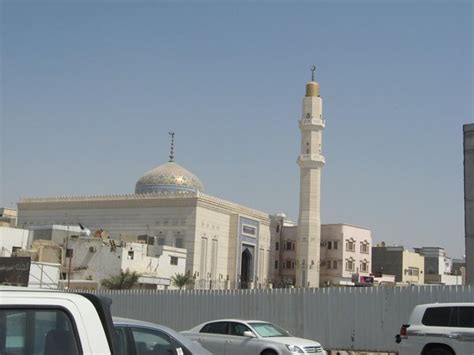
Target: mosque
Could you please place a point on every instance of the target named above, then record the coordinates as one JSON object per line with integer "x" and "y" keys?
{"x": 224, "y": 241}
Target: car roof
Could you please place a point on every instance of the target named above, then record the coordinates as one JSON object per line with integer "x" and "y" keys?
{"x": 235, "y": 320}
{"x": 450, "y": 304}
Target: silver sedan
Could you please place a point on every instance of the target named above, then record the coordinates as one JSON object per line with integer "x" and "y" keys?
{"x": 252, "y": 337}
{"x": 143, "y": 338}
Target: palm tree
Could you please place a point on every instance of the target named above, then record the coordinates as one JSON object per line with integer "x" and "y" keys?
{"x": 181, "y": 280}
{"x": 124, "y": 281}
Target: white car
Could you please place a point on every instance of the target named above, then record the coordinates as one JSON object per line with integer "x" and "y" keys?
{"x": 438, "y": 329}
{"x": 252, "y": 337}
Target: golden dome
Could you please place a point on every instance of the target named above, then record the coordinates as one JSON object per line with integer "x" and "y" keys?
{"x": 312, "y": 89}
{"x": 169, "y": 177}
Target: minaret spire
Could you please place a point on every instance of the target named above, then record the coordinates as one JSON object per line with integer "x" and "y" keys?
{"x": 313, "y": 69}
{"x": 172, "y": 146}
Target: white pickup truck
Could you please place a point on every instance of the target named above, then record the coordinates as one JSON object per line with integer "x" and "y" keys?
{"x": 36, "y": 322}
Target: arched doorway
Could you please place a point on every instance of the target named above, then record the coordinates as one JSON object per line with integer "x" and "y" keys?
{"x": 246, "y": 269}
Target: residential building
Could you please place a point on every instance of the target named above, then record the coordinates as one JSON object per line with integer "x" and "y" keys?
{"x": 8, "y": 217}
{"x": 12, "y": 239}
{"x": 407, "y": 266}
{"x": 346, "y": 254}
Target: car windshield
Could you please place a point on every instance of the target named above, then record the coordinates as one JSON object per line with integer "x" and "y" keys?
{"x": 268, "y": 330}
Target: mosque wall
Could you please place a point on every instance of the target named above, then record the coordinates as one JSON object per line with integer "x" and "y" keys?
{"x": 211, "y": 247}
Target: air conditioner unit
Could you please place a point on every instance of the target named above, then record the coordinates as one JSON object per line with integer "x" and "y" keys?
{"x": 92, "y": 249}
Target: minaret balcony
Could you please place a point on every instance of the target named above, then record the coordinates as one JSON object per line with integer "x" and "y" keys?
{"x": 311, "y": 160}
{"x": 311, "y": 123}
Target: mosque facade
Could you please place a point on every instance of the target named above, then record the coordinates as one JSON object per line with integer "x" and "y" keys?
{"x": 227, "y": 244}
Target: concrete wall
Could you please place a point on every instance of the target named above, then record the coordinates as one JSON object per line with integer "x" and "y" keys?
{"x": 12, "y": 237}
{"x": 346, "y": 318}
{"x": 469, "y": 200}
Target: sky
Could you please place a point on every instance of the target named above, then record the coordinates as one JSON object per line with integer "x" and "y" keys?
{"x": 90, "y": 90}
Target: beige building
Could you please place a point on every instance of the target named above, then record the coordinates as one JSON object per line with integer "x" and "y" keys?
{"x": 407, "y": 266}
{"x": 346, "y": 254}
{"x": 227, "y": 245}
{"x": 8, "y": 217}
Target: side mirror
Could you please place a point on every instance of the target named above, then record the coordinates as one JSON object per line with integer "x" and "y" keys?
{"x": 249, "y": 334}
{"x": 398, "y": 339}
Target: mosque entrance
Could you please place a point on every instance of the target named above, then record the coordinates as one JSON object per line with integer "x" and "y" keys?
{"x": 246, "y": 268}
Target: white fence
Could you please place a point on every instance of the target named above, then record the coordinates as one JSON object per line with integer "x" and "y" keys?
{"x": 339, "y": 318}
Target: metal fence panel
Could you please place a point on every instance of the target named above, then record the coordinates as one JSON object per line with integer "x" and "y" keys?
{"x": 340, "y": 318}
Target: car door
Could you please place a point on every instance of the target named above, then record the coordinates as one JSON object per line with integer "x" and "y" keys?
{"x": 238, "y": 343}
{"x": 461, "y": 331}
{"x": 214, "y": 337}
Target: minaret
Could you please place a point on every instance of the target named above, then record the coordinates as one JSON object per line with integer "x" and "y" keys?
{"x": 310, "y": 162}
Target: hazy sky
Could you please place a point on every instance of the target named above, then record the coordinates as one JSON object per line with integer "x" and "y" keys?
{"x": 90, "y": 90}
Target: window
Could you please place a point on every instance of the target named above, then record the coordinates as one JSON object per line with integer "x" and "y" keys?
{"x": 334, "y": 264}
{"x": 149, "y": 341}
{"x": 412, "y": 271}
{"x": 288, "y": 245}
{"x": 350, "y": 265}
{"x": 364, "y": 267}
{"x": 277, "y": 246}
{"x": 276, "y": 264}
{"x": 238, "y": 329}
{"x": 269, "y": 330}
{"x": 278, "y": 228}
{"x": 328, "y": 264}
{"x": 174, "y": 260}
{"x": 437, "y": 316}
{"x": 350, "y": 245}
{"x": 465, "y": 317}
{"x": 42, "y": 332}
{"x": 131, "y": 254}
{"x": 293, "y": 246}
{"x": 364, "y": 247}
{"x": 329, "y": 245}
{"x": 216, "y": 328}
{"x": 335, "y": 245}
{"x": 178, "y": 243}
{"x": 288, "y": 264}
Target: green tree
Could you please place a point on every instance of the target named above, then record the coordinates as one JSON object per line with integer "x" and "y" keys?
{"x": 181, "y": 280}
{"x": 124, "y": 281}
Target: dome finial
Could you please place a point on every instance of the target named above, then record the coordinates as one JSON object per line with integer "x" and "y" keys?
{"x": 172, "y": 146}
{"x": 313, "y": 69}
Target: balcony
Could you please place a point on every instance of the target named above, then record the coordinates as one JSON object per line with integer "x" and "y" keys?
{"x": 311, "y": 123}
{"x": 311, "y": 160}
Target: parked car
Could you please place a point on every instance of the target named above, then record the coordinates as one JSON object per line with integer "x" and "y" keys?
{"x": 53, "y": 323}
{"x": 438, "y": 329}
{"x": 237, "y": 337}
{"x": 135, "y": 337}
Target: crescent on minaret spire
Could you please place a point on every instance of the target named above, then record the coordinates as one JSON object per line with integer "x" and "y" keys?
{"x": 313, "y": 69}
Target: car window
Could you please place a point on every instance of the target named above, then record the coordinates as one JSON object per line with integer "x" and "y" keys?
{"x": 155, "y": 342}
{"x": 216, "y": 328}
{"x": 121, "y": 340}
{"x": 268, "y": 330}
{"x": 437, "y": 316}
{"x": 238, "y": 329}
{"x": 37, "y": 331}
{"x": 465, "y": 317}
